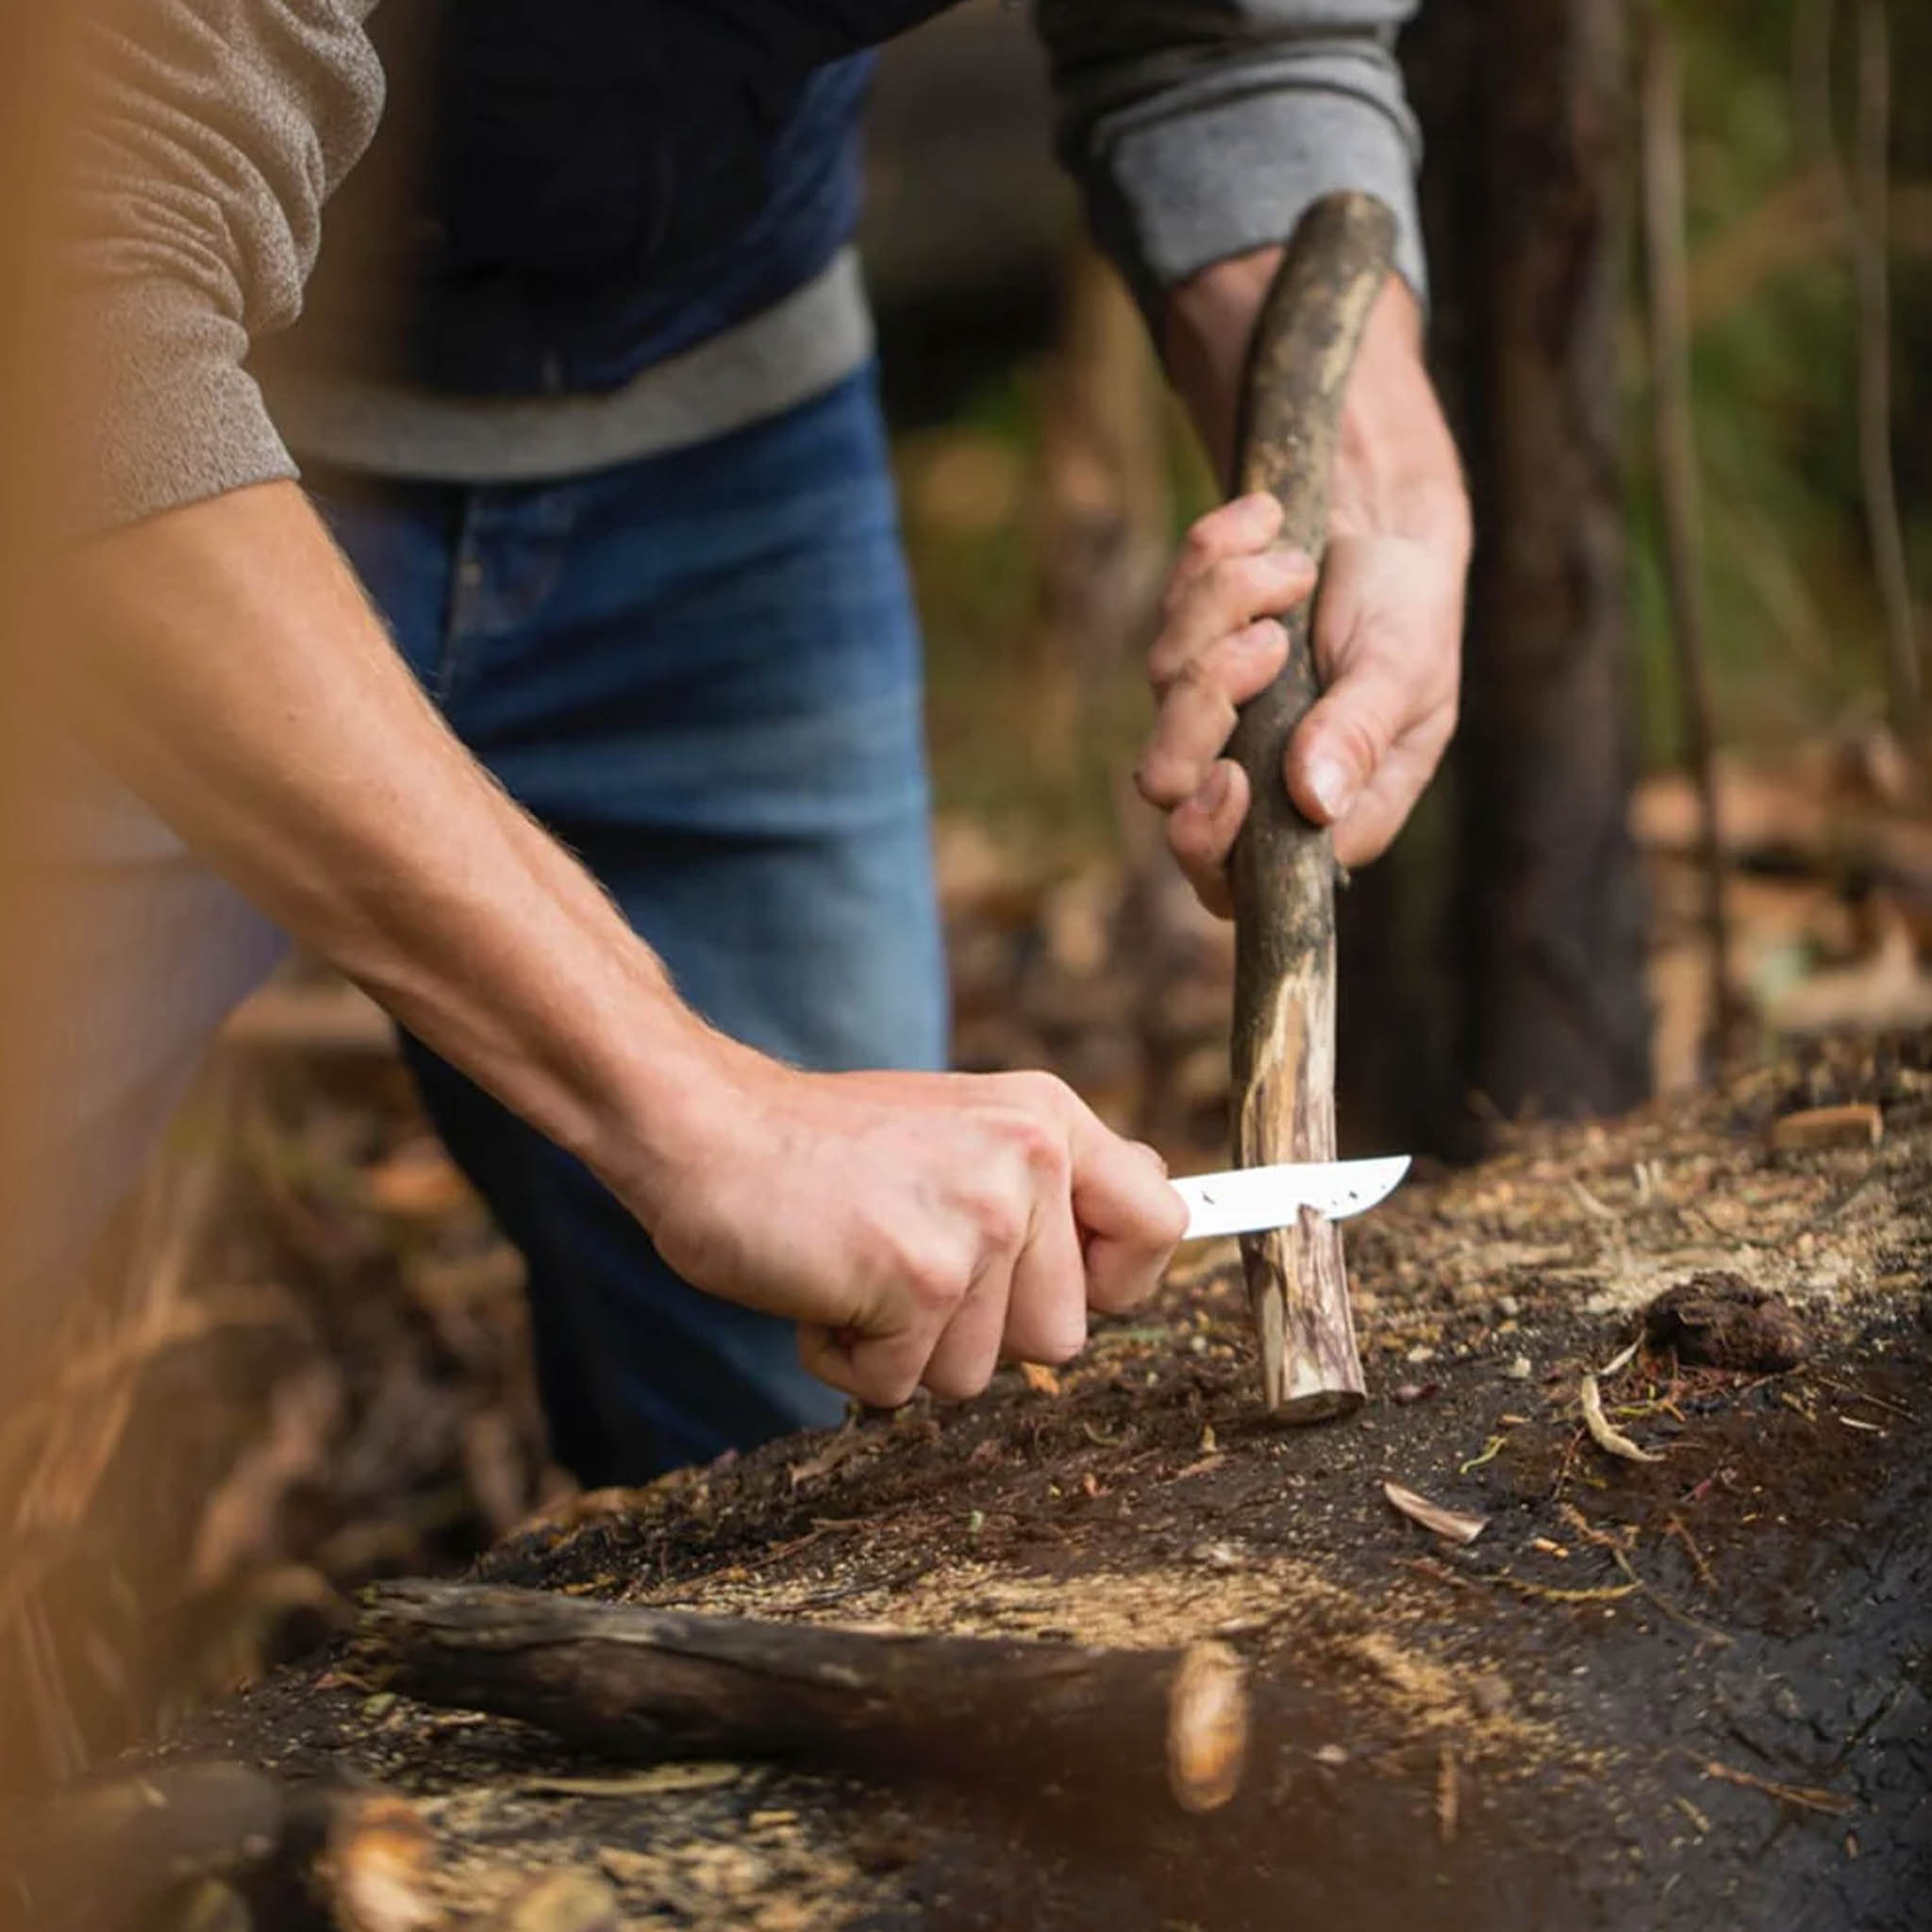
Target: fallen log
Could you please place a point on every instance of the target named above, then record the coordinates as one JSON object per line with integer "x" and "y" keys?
{"x": 1282, "y": 874}
{"x": 664, "y": 1684}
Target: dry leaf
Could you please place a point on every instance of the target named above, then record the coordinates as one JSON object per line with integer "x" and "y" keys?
{"x": 1040, "y": 1378}
{"x": 1454, "y": 1524}
{"x": 1600, "y": 1433}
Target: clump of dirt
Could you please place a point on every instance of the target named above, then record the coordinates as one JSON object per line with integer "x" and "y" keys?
{"x": 1717, "y": 1320}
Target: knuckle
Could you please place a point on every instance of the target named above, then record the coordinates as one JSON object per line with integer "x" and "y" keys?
{"x": 1036, "y": 1090}
{"x": 1044, "y": 1151}
{"x": 1358, "y": 742}
{"x": 1199, "y": 546}
{"x": 1163, "y": 780}
{"x": 1193, "y": 676}
{"x": 1002, "y": 1220}
{"x": 933, "y": 1278}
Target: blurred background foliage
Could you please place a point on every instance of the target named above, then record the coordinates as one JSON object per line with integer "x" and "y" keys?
{"x": 1795, "y": 619}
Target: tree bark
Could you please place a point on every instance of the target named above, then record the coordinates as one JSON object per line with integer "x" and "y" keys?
{"x": 1529, "y": 997}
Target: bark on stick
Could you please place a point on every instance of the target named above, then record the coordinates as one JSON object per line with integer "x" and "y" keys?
{"x": 1282, "y": 871}
{"x": 662, "y": 1684}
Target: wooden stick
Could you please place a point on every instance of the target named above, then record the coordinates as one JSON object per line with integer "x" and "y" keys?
{"x": 1282, "y": 871}
{"x": 663, "y": 1684}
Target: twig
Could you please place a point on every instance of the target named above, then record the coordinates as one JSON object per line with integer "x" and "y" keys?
{"x": 1675, "y": 1526}
{"x": 1805, "y": 1797}
{"x": 1699, "y": 1823}
{"x": 1667, "y": 315}
{"x": 1549, "y": 1592}
{"x": 1858, "y": 1394}
{"x": 1654, "y": 1595}
{"x": 1869, "y": 279}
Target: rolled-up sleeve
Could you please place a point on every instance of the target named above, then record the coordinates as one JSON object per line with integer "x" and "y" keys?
{"x": 208, "y": 133}
{"x": 1202, "y": 129}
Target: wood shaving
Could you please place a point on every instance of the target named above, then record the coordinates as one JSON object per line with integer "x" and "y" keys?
{"x": 1612, "y": 1439}
{"x": 1457, "y": 1525}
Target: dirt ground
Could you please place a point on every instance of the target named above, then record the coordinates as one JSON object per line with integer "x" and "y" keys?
{"x": 1647, "y": 1694}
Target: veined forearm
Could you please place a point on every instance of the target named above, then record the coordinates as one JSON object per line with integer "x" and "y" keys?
{"x": 231, "y": 670}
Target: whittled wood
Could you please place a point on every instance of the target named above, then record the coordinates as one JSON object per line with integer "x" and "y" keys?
{"x": 662, "y": 1684}
{"x": 1282, "y": 871}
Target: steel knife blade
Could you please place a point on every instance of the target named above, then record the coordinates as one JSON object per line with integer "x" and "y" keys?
{"x": 1245, "y": 1200}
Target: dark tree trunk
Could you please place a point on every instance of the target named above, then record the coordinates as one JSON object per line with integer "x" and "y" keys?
{"x": 1531, "y": 999}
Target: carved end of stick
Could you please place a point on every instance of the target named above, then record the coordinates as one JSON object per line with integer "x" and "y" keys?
{"x": 1206, "y": 1727}
{"x": 1311, "y": 1371}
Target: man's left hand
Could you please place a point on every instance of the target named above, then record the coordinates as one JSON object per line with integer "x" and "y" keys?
{"x": 1388, "y": 621}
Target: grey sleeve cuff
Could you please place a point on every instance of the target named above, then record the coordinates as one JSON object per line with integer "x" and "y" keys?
{"x": 1189, "y": 153}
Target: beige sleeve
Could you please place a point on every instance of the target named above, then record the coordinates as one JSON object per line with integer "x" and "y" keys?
{"x": 208, "y": 135}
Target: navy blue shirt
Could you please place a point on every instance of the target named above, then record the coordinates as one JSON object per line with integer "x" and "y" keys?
{"x": 590, "y": 186}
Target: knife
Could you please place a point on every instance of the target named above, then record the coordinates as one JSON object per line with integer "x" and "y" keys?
{"x": 1245, "y": 1200}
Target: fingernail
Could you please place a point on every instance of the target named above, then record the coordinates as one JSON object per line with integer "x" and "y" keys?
{"x": 1332, "y": 787}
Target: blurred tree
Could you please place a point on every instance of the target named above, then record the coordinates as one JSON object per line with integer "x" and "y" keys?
{"x": 1494, "y": 964}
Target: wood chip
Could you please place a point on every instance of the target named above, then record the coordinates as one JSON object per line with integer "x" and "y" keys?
{"x": 377, "y": 1866}
{"x": 1621, "y": 1359}
{"x": 569, "y": 1901}
{"x": 1040, "y": 1378}
{"x": 1857, "y": 1125}
{"x": 1206, "y": 1727}
{"x": 1454, "y": 1524}
{"x": 1600, "y": 1433}
{"x": 1448, "y": 1795}
{"x": 660, "y": 1780}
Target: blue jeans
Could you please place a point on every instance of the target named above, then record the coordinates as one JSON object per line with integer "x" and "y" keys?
{"x": 702, "y": 671}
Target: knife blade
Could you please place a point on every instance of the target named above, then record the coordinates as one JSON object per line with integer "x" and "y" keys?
{"x": 1245, "y": 1200}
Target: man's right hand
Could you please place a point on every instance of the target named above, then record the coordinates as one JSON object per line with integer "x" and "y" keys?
{"x": 919, "y": 1228}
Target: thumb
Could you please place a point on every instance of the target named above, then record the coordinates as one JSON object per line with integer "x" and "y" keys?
{"x": 1336, "y": 748}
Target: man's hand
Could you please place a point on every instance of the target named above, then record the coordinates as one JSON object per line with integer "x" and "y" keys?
{"x": 919, "y": 1228}
{"x": 1388, "y": 621}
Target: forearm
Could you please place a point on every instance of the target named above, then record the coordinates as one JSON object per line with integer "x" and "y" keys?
{"x": 231, "y": 670}
{"x": 1395, "y": 447}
